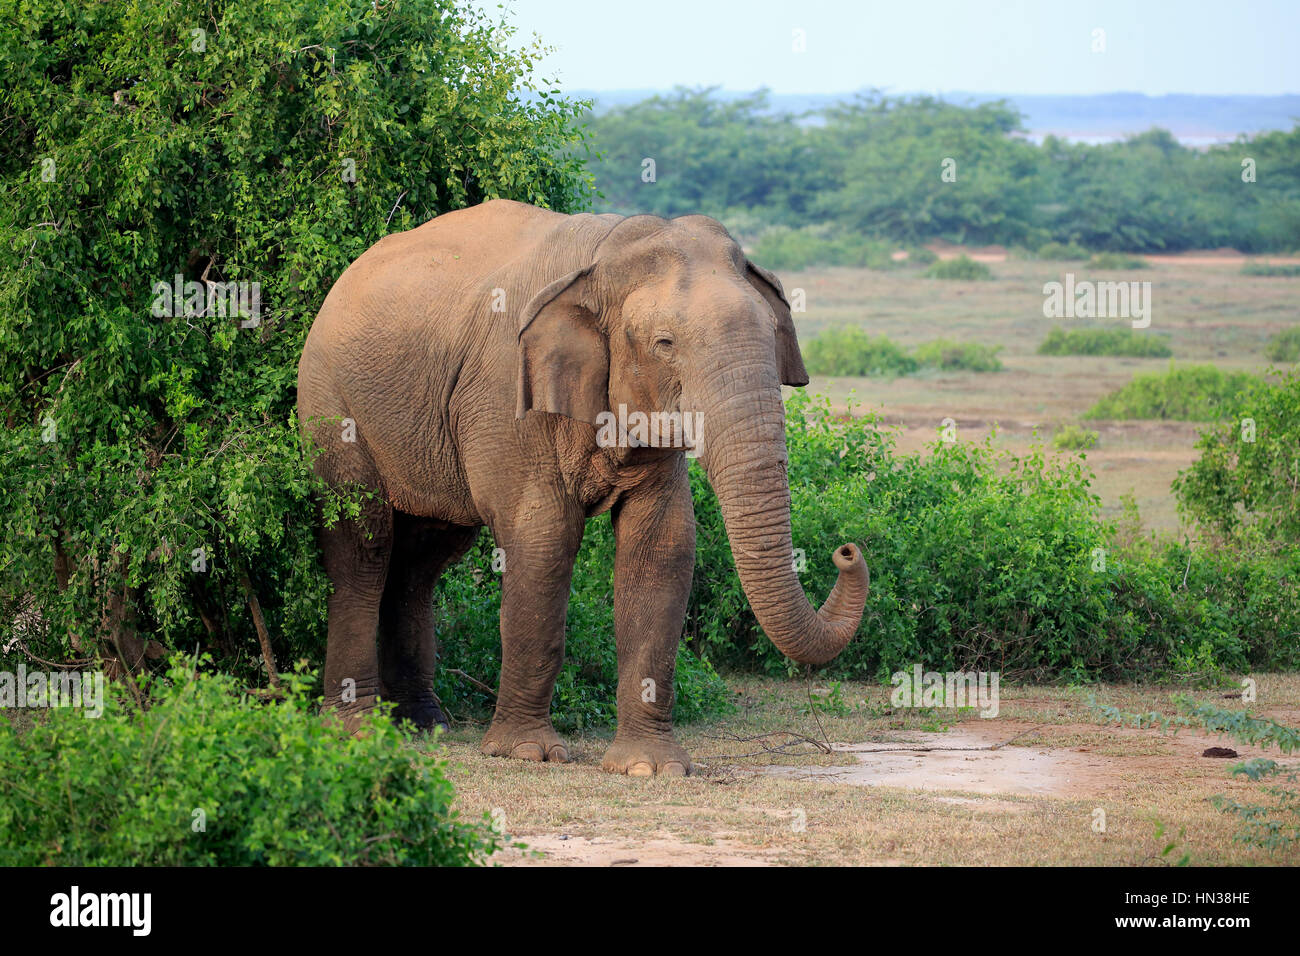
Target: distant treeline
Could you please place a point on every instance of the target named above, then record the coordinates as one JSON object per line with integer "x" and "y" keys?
{"x": 874, "y": 166}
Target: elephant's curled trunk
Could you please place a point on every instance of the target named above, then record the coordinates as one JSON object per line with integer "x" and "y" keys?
{"x": 746, "y": 464}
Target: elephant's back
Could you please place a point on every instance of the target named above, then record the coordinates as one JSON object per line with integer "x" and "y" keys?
{"x": 458, "y": 247}
{"x": 423, "y": 326}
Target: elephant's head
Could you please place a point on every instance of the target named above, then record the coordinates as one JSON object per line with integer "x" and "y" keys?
{"x": 669, "y": 316}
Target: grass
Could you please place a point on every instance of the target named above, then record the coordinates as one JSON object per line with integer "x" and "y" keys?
{"x": 731, "y": 813}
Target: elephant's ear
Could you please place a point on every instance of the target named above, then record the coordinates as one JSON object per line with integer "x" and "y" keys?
{"x": 789, "y": 360}
{"x": 563, "y": 355}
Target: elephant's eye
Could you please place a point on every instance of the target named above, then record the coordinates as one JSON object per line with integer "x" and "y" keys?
{"x": 663, "y": 344}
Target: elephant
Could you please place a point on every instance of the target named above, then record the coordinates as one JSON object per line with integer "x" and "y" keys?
{"x": 467, "y": 372}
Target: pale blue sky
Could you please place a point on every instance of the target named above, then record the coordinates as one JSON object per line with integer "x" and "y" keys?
{"x": 1018, "y": 46}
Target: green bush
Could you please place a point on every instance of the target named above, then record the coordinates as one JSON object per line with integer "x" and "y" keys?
{"x": 962, "y": 267}
{"x": 794, "y": 249}
{"x": 1074, "y": 438}
{"x": 150, "y": 463}
{"x": 1249, "y": 469}
{"x": 1183, "y": 393}
{"x": 1116, "y": 260}
{"x": 1062, "y": 251}
{"x": 1266, "y": 269}
{"x": 851, "y": 351}
{"x": 1125, "y": 342}
{"x": 1285, "y": 346}
{"x": 984, "y": 560}
{"x": 209, "y": 776}
{"x": 967, "y": 356}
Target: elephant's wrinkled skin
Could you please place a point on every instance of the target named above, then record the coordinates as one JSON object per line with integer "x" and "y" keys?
{"x": 473, "y": 355}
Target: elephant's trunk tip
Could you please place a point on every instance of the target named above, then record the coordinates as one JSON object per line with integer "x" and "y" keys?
{"x": 847, "y": 556}
{"x": 842, "y": 612}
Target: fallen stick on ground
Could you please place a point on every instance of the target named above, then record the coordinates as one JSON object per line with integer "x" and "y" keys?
{"x": 778, "y": 749}
{"x": 905, "y": 749}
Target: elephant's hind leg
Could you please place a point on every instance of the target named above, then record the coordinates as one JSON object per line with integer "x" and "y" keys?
{"x": 422, "y": 549}
{"x": 356, "y": 555}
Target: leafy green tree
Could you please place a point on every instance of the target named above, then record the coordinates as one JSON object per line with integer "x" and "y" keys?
{"x": 153, "y": 486}
{"x": 916, "y": 167}
{"x": 875, "y": 168}
{"x": 710, "y": 155}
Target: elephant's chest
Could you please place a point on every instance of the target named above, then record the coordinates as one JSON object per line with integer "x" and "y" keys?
{"x": 598, "y": 477}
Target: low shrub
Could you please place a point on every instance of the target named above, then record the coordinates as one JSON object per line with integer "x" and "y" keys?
{"x": 849, "y": 350}
{"x": 209, "y": 776}
{"x": 1244, "y": 484}
{"x": 1062, "y": 251}
{"x": 968, "y": 356}
{"x": 1074, "y": 438}
{"x": 962, "y": 267}
{"x": 784, "y": 248}
{"x": 1116, "y": 342}
{"x": 1285, "y": 346}
{"x": 1266, "y": 269}
{"x": 1116, "y": 260}
{"x": 1183, "y": 393}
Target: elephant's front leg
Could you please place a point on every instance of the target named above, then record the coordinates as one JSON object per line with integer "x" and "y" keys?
{"x": 538, "y": 551}
{"x": 655, "y": 534}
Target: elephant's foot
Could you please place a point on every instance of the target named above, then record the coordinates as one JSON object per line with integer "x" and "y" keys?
{"x": 350, "y": 717}
{"x": 644, "y": 756}
{"x": 524, "y": 742}
{"x": 424, "y": 714}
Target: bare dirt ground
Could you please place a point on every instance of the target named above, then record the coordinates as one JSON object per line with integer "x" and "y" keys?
{"x": 1206, "y": 312}
{"x": 899, "y": 786}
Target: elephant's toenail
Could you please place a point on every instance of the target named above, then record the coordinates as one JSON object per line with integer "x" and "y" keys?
{"x": 640, "y": 769}
{"x": 557, "y": 754}
{"x": 673, "y": 769}
{"x": 528, "y": 751}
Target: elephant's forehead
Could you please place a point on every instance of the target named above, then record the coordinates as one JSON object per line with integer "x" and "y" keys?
{"x": 679, "y": 246}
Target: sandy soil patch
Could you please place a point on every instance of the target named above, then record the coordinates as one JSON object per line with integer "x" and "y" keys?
{"x": 975, "y": 757}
